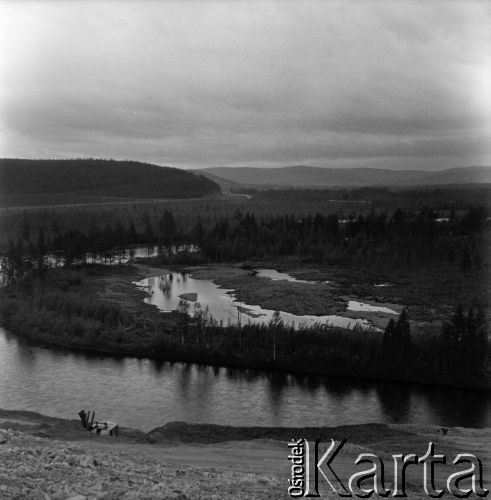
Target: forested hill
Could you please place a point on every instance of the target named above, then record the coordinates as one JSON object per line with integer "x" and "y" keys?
{"x": 100, "y": 178}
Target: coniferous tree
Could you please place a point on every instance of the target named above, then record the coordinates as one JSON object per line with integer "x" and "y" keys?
{"x": 397, "y": 344}
{"x": 26, "y": 229}
{"x": 132, "y": 236}
{"x": 481, "y": 338}
{"x": 465, "y": 261}
{"x": 148, "y": 229}
{"x": 167, "y": 229}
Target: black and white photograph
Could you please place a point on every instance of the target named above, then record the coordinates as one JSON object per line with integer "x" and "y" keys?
{"x": 245, "y": 249}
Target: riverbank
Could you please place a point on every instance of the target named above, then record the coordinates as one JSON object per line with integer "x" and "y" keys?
{"x": 100, "y": 310}
{"x": 43, "y": 457}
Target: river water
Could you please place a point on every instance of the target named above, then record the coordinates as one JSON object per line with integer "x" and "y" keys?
{"x": 145, "y": 394}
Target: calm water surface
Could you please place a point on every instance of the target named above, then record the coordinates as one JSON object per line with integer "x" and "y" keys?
{"x": 166, "y": 291}
{"x": 124, "y": 256}
{"x": 275, "y": 275}
{"x": 354, "y": 305}
{"x": 145, "y": 394}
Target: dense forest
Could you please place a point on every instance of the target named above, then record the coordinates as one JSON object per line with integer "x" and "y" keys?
{"x": 103, "y": 178}
{"x": 403, "y": 239}
{"x": 443, "y": 200}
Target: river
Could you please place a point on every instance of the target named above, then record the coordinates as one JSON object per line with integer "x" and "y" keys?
{"x": 145, "y": 394}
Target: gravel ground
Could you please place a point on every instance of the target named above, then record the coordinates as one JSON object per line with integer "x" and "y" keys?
{"x": 44, "y": 458}
{"x": 35, "y": 468}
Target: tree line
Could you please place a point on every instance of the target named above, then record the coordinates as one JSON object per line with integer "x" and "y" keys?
{"x": 64, "y": 312}
{"x": 402, "y": 239}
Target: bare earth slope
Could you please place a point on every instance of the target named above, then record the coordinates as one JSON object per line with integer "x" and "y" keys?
{"x": 46, "y": 458}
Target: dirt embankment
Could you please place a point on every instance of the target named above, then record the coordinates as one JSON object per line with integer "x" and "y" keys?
{"x": 42, "y": 458}
{"x": 48, "y": 458}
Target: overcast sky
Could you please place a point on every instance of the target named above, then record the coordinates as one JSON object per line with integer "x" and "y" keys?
{"x": 259, "y": 83}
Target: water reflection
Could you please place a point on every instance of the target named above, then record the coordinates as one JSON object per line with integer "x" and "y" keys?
{"x": 122, "y": 255}
{"x": 395, "y": 404}
{"x": 277, "y": 385}
{"x": 145, "y": 394}
{"x": 165, "y": 292}
{"x": 354, "y": 305}
{"x": 275, "y": 275}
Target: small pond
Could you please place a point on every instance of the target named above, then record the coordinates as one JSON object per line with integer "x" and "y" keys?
{"x": 353, "y": 305}
{"x": 275, "y": 275}
{"x": 166, "y": 291}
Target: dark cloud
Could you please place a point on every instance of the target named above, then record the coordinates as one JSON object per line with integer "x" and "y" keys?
{"x": 398, "y": 84}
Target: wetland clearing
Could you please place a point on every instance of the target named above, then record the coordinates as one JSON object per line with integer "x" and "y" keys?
{"x": 221, "y": 305}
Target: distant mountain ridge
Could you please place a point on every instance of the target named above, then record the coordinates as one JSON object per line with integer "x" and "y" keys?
{"x": 103, "y": 178}
{"x": 306, "y": 176}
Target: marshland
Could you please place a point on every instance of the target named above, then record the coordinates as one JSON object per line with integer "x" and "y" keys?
{"x": 352, "y": 298}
